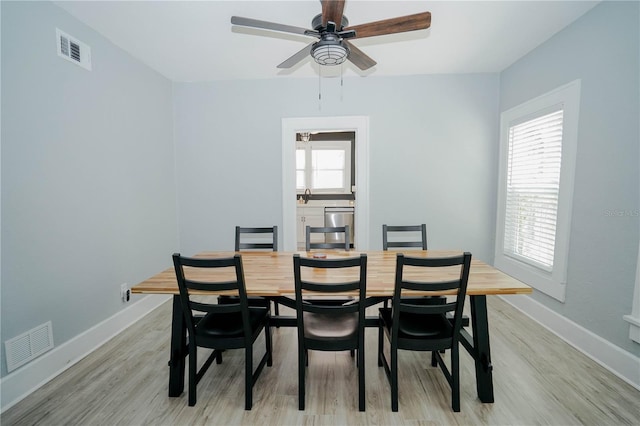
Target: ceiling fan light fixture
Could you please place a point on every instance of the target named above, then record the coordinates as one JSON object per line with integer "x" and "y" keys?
{"x": 329, "y": 51}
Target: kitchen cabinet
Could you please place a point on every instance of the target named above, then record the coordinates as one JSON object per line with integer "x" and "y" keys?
{"x": 308, "y": 216}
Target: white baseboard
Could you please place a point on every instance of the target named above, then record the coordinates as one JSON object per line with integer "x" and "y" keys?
{"x": 19, "y": 384}
{"x": 620, "y": 362}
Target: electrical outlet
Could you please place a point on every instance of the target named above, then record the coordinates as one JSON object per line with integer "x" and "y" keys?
{"x": 125, "y": 292}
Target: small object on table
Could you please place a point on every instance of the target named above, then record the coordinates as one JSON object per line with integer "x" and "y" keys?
{"x": 319, "y": 255}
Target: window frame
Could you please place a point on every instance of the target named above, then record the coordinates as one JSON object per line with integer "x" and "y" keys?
{"x": 553, "y": 282}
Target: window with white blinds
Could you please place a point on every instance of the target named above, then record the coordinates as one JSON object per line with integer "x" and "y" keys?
{"x": 533, "y": 185}
{"x": 538, "y": 144}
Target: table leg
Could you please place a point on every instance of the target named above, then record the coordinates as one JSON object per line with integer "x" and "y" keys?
{"x": 480, "y": 327}
{"x": 178, "y": 350}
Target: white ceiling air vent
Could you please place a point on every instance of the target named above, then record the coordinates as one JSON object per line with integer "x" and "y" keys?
{"x": 73, "y": 50}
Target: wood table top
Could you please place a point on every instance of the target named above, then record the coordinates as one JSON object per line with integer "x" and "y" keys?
{"x": 271, "y": 273}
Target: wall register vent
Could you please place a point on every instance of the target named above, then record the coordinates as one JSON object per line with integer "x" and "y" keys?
{"x": 73, "y": 50}
{"x": 27, "y": 346}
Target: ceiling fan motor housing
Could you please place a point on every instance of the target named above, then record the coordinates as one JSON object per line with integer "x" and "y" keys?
{"x": 316, "y": 23}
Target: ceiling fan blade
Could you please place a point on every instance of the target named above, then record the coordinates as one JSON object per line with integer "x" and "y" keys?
{"x": 256, "y": 23}
{"x": 358, "y": 57}
{"x": 293, "y": 60}
{"x": 332, "y": 11}
{"x": 418, "y": 21}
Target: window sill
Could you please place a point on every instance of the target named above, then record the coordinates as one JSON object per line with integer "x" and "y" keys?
{"x": 529, "y": 275}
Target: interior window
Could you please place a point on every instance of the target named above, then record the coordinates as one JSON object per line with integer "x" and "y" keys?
{"x": 323, "y": 166}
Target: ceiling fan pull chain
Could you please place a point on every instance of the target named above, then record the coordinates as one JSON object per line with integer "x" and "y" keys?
{"x": 319, "y": 87}
{"x": 341, "y": 81}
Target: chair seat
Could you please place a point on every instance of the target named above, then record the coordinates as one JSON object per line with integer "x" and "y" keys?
{"x": 418, "y": 325}
{"x": 230, "y": 326}
{"x": 330, "y": 326}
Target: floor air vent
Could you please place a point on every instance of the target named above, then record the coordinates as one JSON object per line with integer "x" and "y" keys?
{"x": 27, "y": 346}
{"x": 73, "y": 50}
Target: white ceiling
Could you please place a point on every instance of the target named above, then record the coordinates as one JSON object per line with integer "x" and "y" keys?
{"x": 195, "y": 41}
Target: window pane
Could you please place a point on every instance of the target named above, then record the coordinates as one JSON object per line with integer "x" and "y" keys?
{"x": 300, "y": 184}
{"x": 323, "y": 179}
{"x": 328, "y": 168}
{"x": 328, "y": 159}
{"x": 300, "y": 159}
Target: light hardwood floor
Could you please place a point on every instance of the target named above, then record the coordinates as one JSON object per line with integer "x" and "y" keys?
{"x": 538, "y": 379}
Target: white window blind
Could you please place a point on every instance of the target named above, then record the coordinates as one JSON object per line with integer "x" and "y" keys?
{"x": 533, "y": 185}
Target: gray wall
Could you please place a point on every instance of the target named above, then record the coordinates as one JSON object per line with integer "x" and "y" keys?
{"x": 602, "y": 49}
{"x": 433, "y": 154}
{"x": 88, "y": 187}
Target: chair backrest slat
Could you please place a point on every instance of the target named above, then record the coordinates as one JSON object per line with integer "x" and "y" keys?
{"x": 430, "y": 309}
{"x": 332, "y": 288}
{"x": 427, "y": 287}
{"x": 211, "y": 286}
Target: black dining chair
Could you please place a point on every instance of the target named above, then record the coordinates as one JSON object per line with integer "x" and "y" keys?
{"x": 253, "y": 239}
{"x": 424, "y": 327}
{"x": 412, "y": 236}
{"x": 344, "y": 230}
{"x": 330, "y": 327}
{"x": 407, "y": 237}
{"x": 249, "y": 238}
{"x": 222, "y": 326}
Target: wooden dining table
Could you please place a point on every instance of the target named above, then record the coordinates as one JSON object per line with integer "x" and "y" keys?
{"x": 270, "y": 274}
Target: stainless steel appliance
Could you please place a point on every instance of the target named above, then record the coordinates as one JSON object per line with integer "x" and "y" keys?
{"x": 339, "y": 216}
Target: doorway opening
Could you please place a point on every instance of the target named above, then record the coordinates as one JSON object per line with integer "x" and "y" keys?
{"x": 325, "y": 184}
{"x": 292, "y": 128}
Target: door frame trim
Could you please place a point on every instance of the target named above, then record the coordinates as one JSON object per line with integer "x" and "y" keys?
{"x": 291, "y": 126}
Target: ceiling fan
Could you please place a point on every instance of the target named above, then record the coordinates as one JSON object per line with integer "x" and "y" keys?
{"x": 332, "y": 29}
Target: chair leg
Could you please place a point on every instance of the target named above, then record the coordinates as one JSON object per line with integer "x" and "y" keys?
{"x": 380, "y": 345}
{"x": 276, "y": 310}
{"x": 248, "y": 377}
{"x": 455, "y": 382}
{"x": 434, "y": 360}
{"x": 302, "y": 362}
{"x": 219, "y": 357}
{"x": 394, "y": 378}
{"x": 193, "y": 364}
{"x": 269, "y": 344}
{"x": 361, "y": 388}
